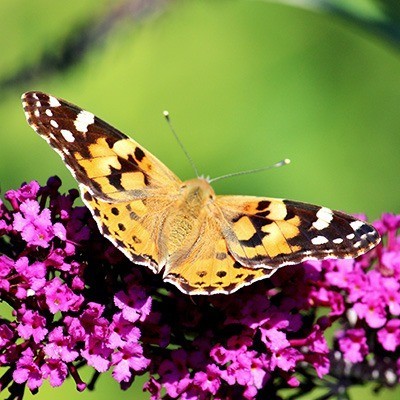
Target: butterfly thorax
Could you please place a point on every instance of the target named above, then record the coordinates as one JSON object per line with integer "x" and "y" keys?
{"x": 196, "y": 193}
{"x": 185, "y": 220}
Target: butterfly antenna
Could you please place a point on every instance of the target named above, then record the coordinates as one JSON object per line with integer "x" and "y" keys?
{"x": 167, "y": 117}
{"x": 281, "y": 163}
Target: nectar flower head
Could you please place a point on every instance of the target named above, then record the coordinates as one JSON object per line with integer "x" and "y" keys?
{"x": 75, "y": 300}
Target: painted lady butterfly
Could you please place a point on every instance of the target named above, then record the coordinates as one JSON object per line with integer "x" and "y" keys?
{"x": 202, "y": 243}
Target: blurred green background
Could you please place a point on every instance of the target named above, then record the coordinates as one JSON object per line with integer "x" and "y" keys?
{"x": 247, "y": 83}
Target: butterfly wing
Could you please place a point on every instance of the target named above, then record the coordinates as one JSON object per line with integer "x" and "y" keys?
{"x": 207, "y": 267}
{"x": 270, "y": 233}
{"x": 134, "y": 227}
{"x": 126, "y": 188}
{"x": 111, "y": 166}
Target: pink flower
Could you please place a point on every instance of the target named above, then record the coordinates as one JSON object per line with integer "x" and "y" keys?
{"x": 28, "y": 371}
{"x": 97, "y": 354}
{"x": 389, "y": 335}
{"x": 122, "y": 332}
{"x": 209, "y": 381}
{"x": 391, "y": 294}
{"x": 353, "y": 344}
{"x": 55, "y": 371}
{"x": 372, "y": 310}
{"x": 128, "y": 358}
{"x": 285, "y": 359}
{"x": 59, "y": 297}
{"x": 35, "y": 226}
{"x": 61, "y": 347}
{"x": 135, "y": 305}
{"x": 32, "y": 325}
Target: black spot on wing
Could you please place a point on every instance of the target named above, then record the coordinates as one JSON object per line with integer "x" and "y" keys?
{"x": 121, "y": 227}
{"x": 81, "y": 152}
{"x": 249, "y": 278}
{"x": 263, "y": 214}
{"x": 87, "y": 196}
{"x": 120, "y": 244}
{"x": 289, "y": 214}
{"x": 136, "y": 239}
{"x": 263, "y": 204}
{"x": 139, "y": 154}
{"x": 115, "y": 210}
{"x": 237, "y": 264}
{"x": 255, "y": 240}
{"x": 105, "y": 230}
{"x": 111, "y": 141}
{"x": 132, "y": 161}
{"x": 258, "y": 236}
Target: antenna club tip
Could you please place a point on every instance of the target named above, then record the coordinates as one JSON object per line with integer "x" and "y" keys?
{"x": 287, "y": 161}
{"x": 166, "y": 114}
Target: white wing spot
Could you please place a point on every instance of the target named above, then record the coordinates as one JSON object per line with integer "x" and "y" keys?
{"x": 319, "y": 240}
{"x": 337, "y": 241}
{"x": 356, "y": 225}
{"x": 53, "y": 123}
{"x": 324, "y": 216}
{"x": 83, "y": 120}
{"x": 67, "y": 135}
{"x": 350, "y": 236}
{"x": 38, "y": 104}
{"x": 357, "y": 244}
{"x": 53, "y": 102}
{"x": 49, "y": 112}
{"x": 36, "y": 113}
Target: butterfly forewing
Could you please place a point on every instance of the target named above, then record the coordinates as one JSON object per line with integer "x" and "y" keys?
{"x": 110, "y": 165}
{"x": 271, "y": 233}
{"x": 220, "y": 244}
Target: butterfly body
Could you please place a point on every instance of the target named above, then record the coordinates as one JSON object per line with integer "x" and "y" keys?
{"x": 193, "y": 205}
{"x": 201, "y": 242}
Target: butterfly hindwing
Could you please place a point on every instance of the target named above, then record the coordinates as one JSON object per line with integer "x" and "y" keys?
{"x": 126, "y": 226}
{"x": 208, "y": 267}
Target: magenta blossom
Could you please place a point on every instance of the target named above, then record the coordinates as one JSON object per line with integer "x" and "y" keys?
{"x": 75, "y": 300}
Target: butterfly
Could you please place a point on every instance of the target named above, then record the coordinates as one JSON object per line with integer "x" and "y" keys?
{"x": 201, "y": 242}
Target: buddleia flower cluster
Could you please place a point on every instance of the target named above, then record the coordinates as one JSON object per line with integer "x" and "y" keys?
{"x": 70, "y": 298}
